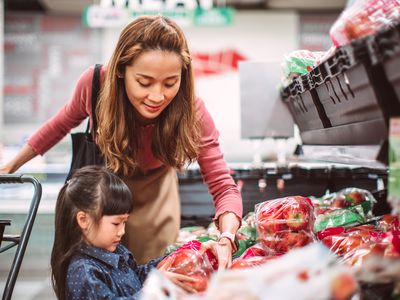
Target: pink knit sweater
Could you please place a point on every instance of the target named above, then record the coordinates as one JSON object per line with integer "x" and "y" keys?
{"x": 215, "y": 172}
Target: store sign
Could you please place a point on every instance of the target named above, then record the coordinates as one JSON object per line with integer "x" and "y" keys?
{"x": 207, "y": 63}
{"x": 185, "y": 13}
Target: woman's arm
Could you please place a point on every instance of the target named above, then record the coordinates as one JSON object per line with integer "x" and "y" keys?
{"x": 23, "y": 156}
{"x": 226, "y": 196}
{"x": 53, "y": 130}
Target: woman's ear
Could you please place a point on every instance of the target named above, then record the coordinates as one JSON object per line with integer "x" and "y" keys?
{"x": 120, "y": 73}
{"x": 83, "y": 220}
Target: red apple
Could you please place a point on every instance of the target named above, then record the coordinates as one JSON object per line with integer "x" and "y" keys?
{"x": 201, "y": 282}
{"x": 297, "y": 220}
{"x": 297, "y": 212}
{"x": 183, "y": 261}
{"x": 271, "y": 226}
{"x": 297, "y": 239}
{"x": 339, "y": 203}
{"x": 355, "y": 197}
{"x": 253, "y": 251}
{"x": 240, "y": 263}
{"x": 343, "y": 286}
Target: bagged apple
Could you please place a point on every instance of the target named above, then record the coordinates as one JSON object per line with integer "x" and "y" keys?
{"x": 285, "y": 223}
{"x": 311, "y": 272}
{"x": 251, "y": 257}
{"x": 245, "y": 236}
{"x": 362, "y": 18}
{"x": 342, "y": 241}
{"x": 190, "y": 260}
{"x": 348, "y": 207}
{"x": 251, "y": 262}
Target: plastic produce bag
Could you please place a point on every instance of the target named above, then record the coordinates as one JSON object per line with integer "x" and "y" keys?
{"x": 364, "y": 17}
{"x": 348, "y": 207}
{"x": 284, "y": 223}
{"x": 159, "y": 287}
{"x": 311, "y": 272}
{"x": 190, "y": 260}
{"x": 299, "y": 62}
{"x": 252, "y": 257}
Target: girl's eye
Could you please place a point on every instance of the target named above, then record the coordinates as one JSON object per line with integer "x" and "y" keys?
{"x": 116, "y": 224}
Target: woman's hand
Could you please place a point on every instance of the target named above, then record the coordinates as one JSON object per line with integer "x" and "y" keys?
{"x": 222, "y": 250}
{"x": 6, "y": 169}
{"x": 224, "y": 254}
{"x": 23, "y": 156}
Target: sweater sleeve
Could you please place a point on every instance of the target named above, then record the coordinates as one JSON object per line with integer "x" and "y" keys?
{"x": 215, "y": 172}
{"x": 68, "y": 117}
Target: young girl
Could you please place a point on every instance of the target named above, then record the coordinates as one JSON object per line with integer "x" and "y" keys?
{"x": 87, "y": 260}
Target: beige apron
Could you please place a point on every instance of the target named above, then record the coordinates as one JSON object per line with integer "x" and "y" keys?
{"x": 155, "y": 220}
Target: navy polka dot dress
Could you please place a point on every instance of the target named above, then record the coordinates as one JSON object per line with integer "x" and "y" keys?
{"x": 96, "y": 273}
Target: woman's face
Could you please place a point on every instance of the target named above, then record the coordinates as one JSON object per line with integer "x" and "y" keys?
{"x": 152, "y": 82}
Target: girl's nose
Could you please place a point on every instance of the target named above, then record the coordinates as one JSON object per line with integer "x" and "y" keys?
{"x": 121, "y": 232}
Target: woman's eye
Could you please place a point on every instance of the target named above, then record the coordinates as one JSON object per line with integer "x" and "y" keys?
{"x": 144, "y": 84}
{"x": 116, "y": 224}
{"x": 170, "y": 85}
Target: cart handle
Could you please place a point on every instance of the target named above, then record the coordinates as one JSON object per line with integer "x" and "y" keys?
{"x": 11, "y": 178}
{"x": 26, "y": 231}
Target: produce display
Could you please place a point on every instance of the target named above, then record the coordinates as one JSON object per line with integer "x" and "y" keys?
{"x": 279, "y": 237}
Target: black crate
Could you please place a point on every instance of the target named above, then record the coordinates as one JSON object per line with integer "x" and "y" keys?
{"x": 301, "y": 101}
{"x": 384, "y": 49}
{"x": 347, "y": 93}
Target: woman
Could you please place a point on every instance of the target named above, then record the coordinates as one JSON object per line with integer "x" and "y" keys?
{"x": 150, "y": 124}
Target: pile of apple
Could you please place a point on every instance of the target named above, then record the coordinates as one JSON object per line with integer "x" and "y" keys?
{"x": 355, "y": 244}
{"x": 285, "y": 223}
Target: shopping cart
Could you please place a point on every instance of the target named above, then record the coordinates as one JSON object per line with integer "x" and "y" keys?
{"x": 21, "y": 240}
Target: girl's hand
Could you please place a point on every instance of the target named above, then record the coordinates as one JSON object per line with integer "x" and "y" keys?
{"x": 179, "y": 280}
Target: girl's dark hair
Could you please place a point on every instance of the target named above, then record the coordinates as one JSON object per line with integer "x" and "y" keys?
{"x": 93, "y": 190}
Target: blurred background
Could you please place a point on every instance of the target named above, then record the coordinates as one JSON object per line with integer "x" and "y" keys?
{"x": 48, "y": 43}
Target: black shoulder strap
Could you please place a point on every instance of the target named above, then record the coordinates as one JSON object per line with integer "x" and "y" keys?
{"x": 95, "y": 96}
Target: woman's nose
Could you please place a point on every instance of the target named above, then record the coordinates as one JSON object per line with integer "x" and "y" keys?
{"x": 156, "y": 95}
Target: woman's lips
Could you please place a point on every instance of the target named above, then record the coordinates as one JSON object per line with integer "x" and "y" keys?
{"x": 153, "y": 108}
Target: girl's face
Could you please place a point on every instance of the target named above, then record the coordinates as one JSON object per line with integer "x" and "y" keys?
{"x": 109, "y": 232}
{"x": 152, "y": 82}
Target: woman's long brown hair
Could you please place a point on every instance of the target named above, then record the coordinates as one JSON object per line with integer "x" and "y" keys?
{"x": 175, "y": 139}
